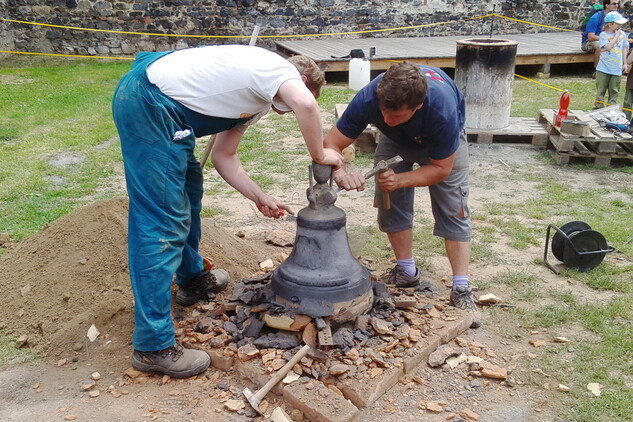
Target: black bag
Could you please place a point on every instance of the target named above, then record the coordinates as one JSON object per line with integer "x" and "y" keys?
{"x": 355, "y": 53}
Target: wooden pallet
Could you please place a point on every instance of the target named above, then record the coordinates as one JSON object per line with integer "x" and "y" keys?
{"x": 600, "y": 147}
{"x": 521, "y": 130}
{"x": 580, "y": 156}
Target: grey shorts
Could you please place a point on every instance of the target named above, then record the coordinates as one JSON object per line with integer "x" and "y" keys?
{"x": 590, "y": 46}
{"x": 449, "y": 198}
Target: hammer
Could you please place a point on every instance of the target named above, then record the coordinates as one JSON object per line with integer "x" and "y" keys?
{"x": 255, "y": 399}
{"x": 381, "y": 167}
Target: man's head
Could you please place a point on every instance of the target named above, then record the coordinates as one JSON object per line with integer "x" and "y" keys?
{"x": 610, "y": 5}
{"x": 313, "y": 77}
{"x": 401, "y": 92}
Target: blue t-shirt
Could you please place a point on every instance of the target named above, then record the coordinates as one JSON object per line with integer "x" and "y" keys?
{"x": 595, "y": 24}
{"x": 436, "y": 125}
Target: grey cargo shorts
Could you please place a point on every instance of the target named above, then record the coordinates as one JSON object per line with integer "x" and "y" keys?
{"x": 449, "y": 198}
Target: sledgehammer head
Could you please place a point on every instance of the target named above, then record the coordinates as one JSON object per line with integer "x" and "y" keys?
{"x": 253, "y": 400}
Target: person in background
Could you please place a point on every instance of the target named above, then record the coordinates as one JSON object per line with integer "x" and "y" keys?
{"x": 591, "y": 34}
{"x": 614, "y": 48}
{"x": 159, "y": 107}
{"x": 420, "y": 114}
{"x": 628, "y": 95}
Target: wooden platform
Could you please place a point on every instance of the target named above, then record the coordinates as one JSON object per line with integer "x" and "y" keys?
{"x": 521, "y": 130}
{"x": 600, "y": 147}
{"x": 533, "y": 49}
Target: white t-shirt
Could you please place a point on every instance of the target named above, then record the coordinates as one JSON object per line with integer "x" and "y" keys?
{"x": 231, "y": 81}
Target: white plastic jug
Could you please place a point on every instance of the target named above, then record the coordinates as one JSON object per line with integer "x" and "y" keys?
{"x": 359, "y": 73}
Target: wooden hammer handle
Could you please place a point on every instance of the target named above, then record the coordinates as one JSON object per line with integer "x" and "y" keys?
{"x": 282, "y": 372}
{"x": 386, "y": 201}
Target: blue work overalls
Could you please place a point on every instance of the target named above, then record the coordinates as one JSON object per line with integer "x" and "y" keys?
{"x": 165, "y": 187}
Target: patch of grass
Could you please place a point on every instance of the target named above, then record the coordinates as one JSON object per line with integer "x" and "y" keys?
{"x": 9, "y": 354}
{"x": 528, "y": 97}
{"x": 212, "y": 211}
{"x": 550, "y": 315}
{"x": 605, "y": 276}
{"x": 482, "y": 252}
{"x": 54, "y": 108}
{"x": 528, "y": 294}
{"x": 515, "y": 279}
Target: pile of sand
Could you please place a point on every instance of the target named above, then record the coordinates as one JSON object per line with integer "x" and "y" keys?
{"x": 73, "y": 273}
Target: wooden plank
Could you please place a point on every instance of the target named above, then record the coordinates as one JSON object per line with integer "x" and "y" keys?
{"x": 532, "y": 49}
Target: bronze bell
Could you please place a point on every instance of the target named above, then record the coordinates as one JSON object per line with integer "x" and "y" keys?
{"x": 321, "y": 277}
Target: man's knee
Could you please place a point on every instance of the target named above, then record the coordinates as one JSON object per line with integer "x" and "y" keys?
{"x": 591, "y": 46}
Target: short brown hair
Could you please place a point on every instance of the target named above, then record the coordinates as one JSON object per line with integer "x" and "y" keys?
{"x": 402, "y": 85}
{"x": 306, "y": 66}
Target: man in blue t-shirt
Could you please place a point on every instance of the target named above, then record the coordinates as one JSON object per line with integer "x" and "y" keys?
{"x": 420, "y": 114}
{"x": 591, "y": 34}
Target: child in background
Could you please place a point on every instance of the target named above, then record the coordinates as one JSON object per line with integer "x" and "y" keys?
{"x": 628, "y": 96}
{"x": 613, "y": 52}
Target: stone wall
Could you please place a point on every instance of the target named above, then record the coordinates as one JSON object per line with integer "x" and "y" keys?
{"x": 189, "y": 18}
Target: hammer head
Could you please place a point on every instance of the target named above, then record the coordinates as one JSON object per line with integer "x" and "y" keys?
{"x": 252, "y": 399}
{"x": 383, "y": 165}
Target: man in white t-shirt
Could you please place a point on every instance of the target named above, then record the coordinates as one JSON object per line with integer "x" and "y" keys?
{"x": 159, "y": 107}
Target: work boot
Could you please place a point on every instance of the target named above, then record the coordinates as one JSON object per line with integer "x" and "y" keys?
{"x": 175, "y": 361}
{"x": 399, "y": 278}
{"x": 462, "y": 298}
{"x": 205, "y": 283}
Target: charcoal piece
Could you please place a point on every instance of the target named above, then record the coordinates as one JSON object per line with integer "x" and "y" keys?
{"x": 318, "y": 355}
{"x": 222, "y": 386}
{"x": 201, "y": 328}
{"x": 258, "y": 279}
{"x": 280, "y": 340}
{"x": 252, "y": 327}
{"x": 238, "y": 290}
{"x": 360, "y": 336}
{"x": 242, "y": 315}
{"x": 247, "y": 296}
{"x": 231, "y": 328}
{"x": 380, "y": 290}
{"x": 384, "y": 304}
{"x": 343, "y": 337}
{"x": 424, "y": 286}
{"x": 320, "y": 323}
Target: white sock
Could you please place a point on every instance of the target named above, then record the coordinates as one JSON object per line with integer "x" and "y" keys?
{"x": 460, "y": 280}
{"x": 408, "y": 265}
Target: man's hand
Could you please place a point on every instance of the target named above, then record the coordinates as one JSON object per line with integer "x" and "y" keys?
{"x": 331, "y": 158}
{"x": 387, "y": 181}
{"x": 270, "y": 207}
{"x": 349, "y": 181}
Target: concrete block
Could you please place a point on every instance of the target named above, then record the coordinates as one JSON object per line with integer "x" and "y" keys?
{"x": 254, "y": 372}
{"x": 318, "y": 403}
{"x": 366, "y": 391}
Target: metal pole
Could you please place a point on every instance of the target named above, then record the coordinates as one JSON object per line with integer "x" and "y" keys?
{"x": 492, "y": 21}
{"x": 254, "y": 35}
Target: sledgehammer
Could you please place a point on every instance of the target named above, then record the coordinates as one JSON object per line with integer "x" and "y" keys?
{"x": 255, "y": 399}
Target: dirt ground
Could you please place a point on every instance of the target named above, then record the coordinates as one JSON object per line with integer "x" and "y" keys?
{"x": 73, "y": 274}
